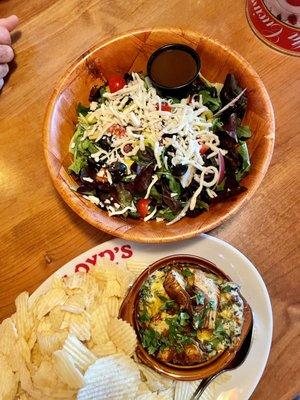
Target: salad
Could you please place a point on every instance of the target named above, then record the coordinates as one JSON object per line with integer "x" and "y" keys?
{"x": 139, "y": 155}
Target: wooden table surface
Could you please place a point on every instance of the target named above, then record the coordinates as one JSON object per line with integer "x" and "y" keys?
{"x": 39, "y": 233}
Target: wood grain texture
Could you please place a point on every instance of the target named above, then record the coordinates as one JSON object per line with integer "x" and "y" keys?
{"x": 39, "y": 233}
{"x": 130, "y": 52}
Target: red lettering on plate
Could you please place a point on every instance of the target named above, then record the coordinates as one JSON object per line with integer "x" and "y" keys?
{"x": 82, "y": 268}
{"x": 92, "y": 260}
{"x": 108, "y": 252}
{"x": 127, "y": 252}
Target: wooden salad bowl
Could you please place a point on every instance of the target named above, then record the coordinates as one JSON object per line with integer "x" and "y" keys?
{"x": 130, "y": 52}
{"x": 128, "y": 312}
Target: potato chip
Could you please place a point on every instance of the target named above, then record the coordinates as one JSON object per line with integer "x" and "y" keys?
{"x": 66, "y": 369}
{"x": 25, "y": 379}
{"x": 143, "y": 389}
{"x": 108, "y": 271}
{"x": 149, "y": 396}
{"x": 23, "y": 349}
{"x": 76, "y": 281}
{"x": 23, "y": 396}
{"x": 154, "y": 380}
{"x": 76, "y": 303}
{"x": 50, "y": 342}
{"x": 48, "y": 301}
{"x": 8, "y": 380}
{"x": 113, "y": 305}
{"x": 99, "y": 324}
{"x": 58, "y": 283}
{"x": 113, "y": 377}
{"x": 32, "y": 339}
{"x": 69, "y": 318}
{"x": 81, "y": 330}
{"x": 48, "y": 356}
{"x": 122, "y": 335}
{"x": 36, "y": 355}
{"x": 184, "y": 390}
{"x": 102, "y": 350}
{"x": 24, "y": 321}
{"x": 113, "y": 288}
{"x": 8, "y": 336}
{"x": 57, "y": 393}
{"x": 44, "y": 325}
{"x": 45, "y": 375}
{"x": 81, "y": 356}
{"x": 167, "y": 394}
{"x": 56, "y": 317}
{"x": 136, "y": 267}
{"x": 46, "y": 380}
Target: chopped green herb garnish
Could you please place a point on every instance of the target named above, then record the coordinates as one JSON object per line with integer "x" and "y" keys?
{"x": 186, "y": 272}
{"x": 200, "y": 298}
{"x": 151, "y": 340}
{"x": 144, "y": 316}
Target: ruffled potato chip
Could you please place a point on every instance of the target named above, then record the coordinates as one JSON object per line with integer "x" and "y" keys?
{"x": 8, "y": 336}
{"x": 76, "y": 281}
{"x": 36, "y": 355}
{"x": 69, "y": 330}
{"x": 66, "y": 369}
{"x": 113, "y": 305}
{"x": 102, "y": 350}
{"x": 184, "y": 390}
{"x": 56, "y": 317}
{"x": 24, "y": 320}
{"x": 123, "y": 336}
{"x": 45, "y": 375}
{"x": 113, "y": 377}
{"x": 81, "y": 330}
{"x": 80, "y": 355}
{"x": 58, "y": 283}
{"x": 48, "y": 301}
{"x": 113, "y": 288}
{"x": 99, "y": 324}
{"x": 50, "y": 342}
{"x": 143, "y": 389}
{"x": 167, "y": 394}
{"x": 76, "y": 303}
{"x": 8, "y": 380}
{"x": 155, "y": 381}
{"x": 136, "y": 267}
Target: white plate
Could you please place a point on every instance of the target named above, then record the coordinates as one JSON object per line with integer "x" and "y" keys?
{"x": 240, "y": 383}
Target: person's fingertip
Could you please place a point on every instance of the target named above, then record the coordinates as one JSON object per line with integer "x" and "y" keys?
{"x": 6, "y": 54}
{"x": 4, "y": 68}
{"x": 5, "y": 37}
{"x": 10, "y": 22}
{"x": 14, "y": 21}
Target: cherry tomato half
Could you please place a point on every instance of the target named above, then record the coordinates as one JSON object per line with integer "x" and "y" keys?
{"x": 164, "y": 107}
{"x": 142, "y": 207}
{"x": 116, "y": 83}
{"x": 203, "y": 149}
{"x": 117, "y": 130}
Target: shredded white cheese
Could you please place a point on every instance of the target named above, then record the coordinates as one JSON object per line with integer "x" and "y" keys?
{"x": 154, "y": 180}
{"x": 87, "y": 179}
{"x": 181, "y": 214}
{"x": 134, "y": 119}
{"x": 92, "y": 199}
{"x": 150, "y": 215}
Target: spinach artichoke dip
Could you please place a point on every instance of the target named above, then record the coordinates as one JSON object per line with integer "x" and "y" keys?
{"x": 188, "y": 316}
